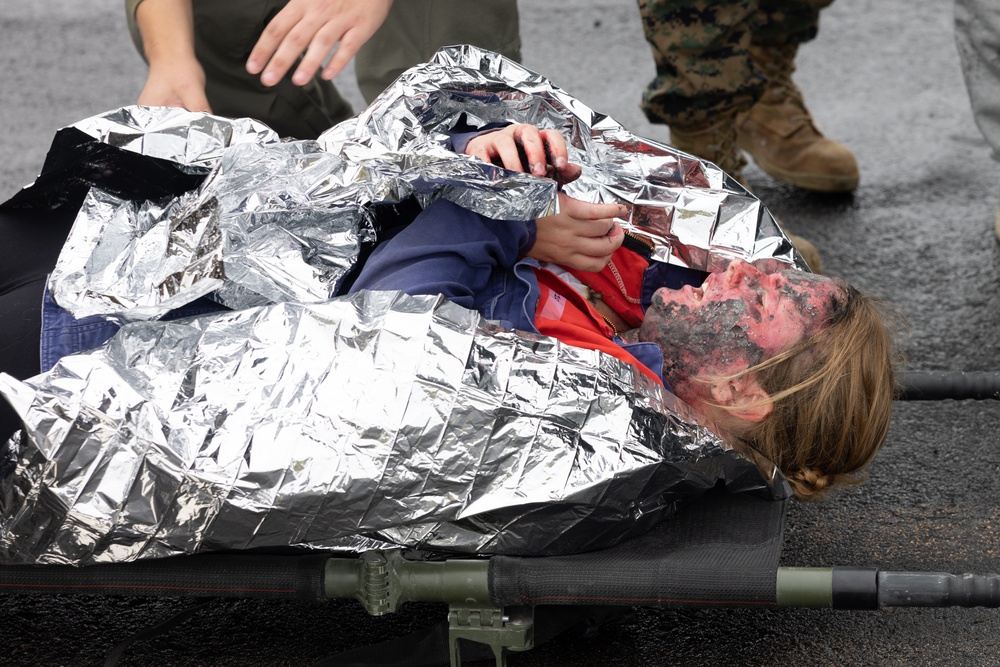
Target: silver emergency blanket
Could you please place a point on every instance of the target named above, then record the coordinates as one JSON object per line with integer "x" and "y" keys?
{"x": 300, "y": 418}
{"x": 379, "y": 420}
{"x": 283, "y": 221}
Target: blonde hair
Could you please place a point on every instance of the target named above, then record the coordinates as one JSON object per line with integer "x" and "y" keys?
{"x": 832, "y": 398}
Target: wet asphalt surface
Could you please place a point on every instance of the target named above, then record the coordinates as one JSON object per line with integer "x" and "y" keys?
{"x": 882, "y": 77}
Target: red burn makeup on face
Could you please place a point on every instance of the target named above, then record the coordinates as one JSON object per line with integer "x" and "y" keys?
{"x": 737, "y": 319}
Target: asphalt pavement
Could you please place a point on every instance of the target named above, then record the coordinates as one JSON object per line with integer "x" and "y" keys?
{"x": 883, "y": 77}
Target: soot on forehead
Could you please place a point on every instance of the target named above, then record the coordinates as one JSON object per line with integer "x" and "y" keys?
{"x": 817, "y": 306}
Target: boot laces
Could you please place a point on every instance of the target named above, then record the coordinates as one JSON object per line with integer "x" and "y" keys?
{"x": 717, "y": 144}
{"x": 778, "y": 64}
{"x": 727, "y": 150}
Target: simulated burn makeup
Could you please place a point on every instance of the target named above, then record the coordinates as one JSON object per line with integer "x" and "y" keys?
{"x": 737, "y": 319}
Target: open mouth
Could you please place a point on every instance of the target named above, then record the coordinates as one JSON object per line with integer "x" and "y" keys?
{"x": 697, "y": 294}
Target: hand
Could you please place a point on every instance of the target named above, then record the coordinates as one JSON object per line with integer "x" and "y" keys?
{"x": 175, "y": 78}
{"x": 314, "y": 28}
{"x": 176, "y": 85}
{"x": 526, "y": 149}
{"x": 581, "y": 236}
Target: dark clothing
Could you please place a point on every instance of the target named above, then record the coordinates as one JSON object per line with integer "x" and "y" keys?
{"x": 32, "y": 242}
{"x": 226, "y": 31}
{"x": 415, "y": 29}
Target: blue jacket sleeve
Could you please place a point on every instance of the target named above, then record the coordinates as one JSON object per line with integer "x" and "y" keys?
{"x": 451, "y": 251}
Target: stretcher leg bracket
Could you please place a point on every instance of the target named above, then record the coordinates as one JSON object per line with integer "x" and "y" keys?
{"x": 511, "y": 629}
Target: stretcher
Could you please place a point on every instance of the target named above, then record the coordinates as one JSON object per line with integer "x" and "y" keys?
{"x": 723, "y": 551}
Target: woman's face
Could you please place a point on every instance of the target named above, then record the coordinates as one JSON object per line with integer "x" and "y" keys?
{"x": 737, "y": 319}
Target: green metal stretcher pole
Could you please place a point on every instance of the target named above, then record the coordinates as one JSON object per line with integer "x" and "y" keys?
{"x": 384, "y": 580}
{"x": 867, "y": 588}
{"x": 805, "y": 587}
{"x": 827, "y": 587}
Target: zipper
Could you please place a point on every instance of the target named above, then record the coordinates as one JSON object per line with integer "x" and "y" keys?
{"x": 647, "y": 245}
{"x": 609, "y": 323}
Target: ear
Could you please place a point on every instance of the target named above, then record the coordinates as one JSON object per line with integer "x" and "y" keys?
{"x": 745, "y": 398}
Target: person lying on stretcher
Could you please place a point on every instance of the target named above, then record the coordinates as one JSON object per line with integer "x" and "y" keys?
{"x": 796, "y": 366}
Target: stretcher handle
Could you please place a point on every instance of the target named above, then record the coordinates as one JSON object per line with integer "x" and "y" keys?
{"x": 207, "y": 575}
{"x": 870, "y": 588}
{"x": 941, "y": 385}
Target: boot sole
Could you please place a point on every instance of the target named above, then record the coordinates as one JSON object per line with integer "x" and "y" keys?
{"x": 814, "y": 182}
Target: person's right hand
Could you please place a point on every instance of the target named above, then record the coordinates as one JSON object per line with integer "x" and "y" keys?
{"x": 311, "y": 29}
{"x": 176, "y": 78}
{"x": 581, "y": 236}
{"x": 179, "y": 84}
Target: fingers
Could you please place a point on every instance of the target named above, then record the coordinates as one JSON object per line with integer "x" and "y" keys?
{"x": 348, "y": 48}
{"x": 545, "y": 153}
{"x": 593, "y": 254}
{"x": 524, "y": 148}
{"x": 312, "y": 29}
{"x": 582, "y": 210}
{"x": 267, "y": 51}
{"x": 568, "y": 174}
{"x": 598, "y": 233}
{"x": 294, "y": 31}
{"x": 529, "y": 138}
{"x": 493, "y": 147}
{"x": 320, "y": 45}
{"x": 581, "y": 236}
{"x": 555, "y": 146}
{"x": 479, "y": 150}
{"x": 175, "y": 86}
{"x": 505, "y": 147}
{"x": 498, "y": 147}
{"x": 596, "y": 228}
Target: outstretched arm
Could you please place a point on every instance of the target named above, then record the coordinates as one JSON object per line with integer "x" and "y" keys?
{"x": 175, "y": 78}
{"x": 312, "y": 29}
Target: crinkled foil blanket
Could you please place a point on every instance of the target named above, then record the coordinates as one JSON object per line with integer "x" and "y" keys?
{"x": 299, "y": 417}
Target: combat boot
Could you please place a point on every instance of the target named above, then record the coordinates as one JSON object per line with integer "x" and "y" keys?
{"x": 809, "y": 252}
{"x": 717, "y": 143}
{"x": 778, "y": 131}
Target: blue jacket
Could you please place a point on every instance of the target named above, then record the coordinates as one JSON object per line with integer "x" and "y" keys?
{"x": 475, "y": 262}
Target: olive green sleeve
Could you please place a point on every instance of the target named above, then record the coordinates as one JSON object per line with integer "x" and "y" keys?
{"x": 133, "y": 27}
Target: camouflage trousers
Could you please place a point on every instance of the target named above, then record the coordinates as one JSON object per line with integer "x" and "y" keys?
{"x": 701, "y": 48}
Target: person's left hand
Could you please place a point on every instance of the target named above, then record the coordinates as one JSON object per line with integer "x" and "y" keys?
{"x": 314, "y": 28}
{"x": 581, "y": 236}
{"x": 527, "y": 149}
